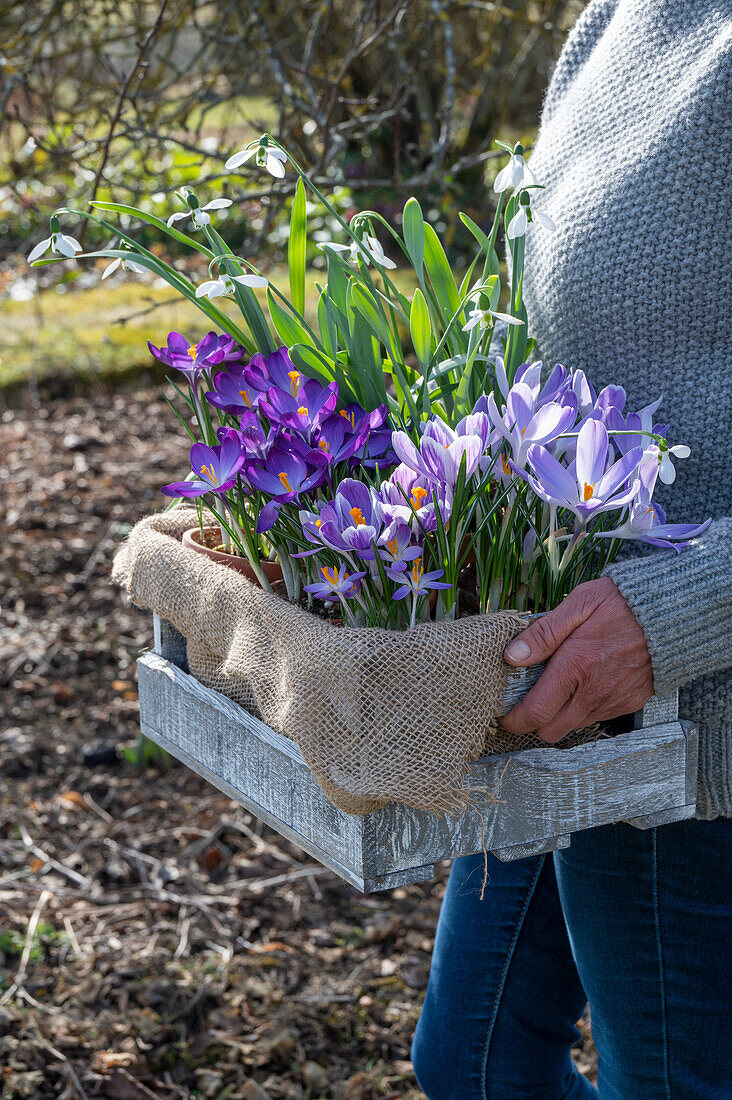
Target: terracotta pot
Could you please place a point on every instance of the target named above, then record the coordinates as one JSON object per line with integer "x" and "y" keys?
{"x": 212, "y": 538}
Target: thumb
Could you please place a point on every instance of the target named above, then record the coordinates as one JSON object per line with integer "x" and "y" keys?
{"x": 545, "y": 635}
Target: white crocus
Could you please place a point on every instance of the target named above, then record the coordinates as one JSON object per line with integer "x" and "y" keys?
{"x": 515, "y": 175}
{"x": 667, "y": 470}
{"x": 519, "y": 223}
{"x": 199, "y": 215}
{"x": 224, "y": 286}
{"x": 60, "y": 243}
{"x": 267, "y": 156}
{"x": 126, "y": 265}
{"x": 369, "y": 250}
{"x": 483, "y": 319}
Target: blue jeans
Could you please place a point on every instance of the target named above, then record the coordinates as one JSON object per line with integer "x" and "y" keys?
{"x": 637, "y": 923}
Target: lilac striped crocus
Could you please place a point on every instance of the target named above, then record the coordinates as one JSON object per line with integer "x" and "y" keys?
{"x": 442, "y": 449}
{"x": 523, "y": 425}
{"x": 588, "y": 486}
{"x": 646, "y": 521}
{"x": 351, "y": 522}
{"x": 215, "y": 468}
{"x": 410, "y": 498}
{"x": 335, "y": 584}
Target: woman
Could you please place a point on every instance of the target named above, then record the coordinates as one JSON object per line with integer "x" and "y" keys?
{"x": 634, "y": 150}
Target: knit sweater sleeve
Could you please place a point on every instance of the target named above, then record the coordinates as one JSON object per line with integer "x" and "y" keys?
{"x": 683, "y": 602}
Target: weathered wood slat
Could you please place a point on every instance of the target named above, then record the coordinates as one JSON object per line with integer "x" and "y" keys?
{"x": 523, "y": 803}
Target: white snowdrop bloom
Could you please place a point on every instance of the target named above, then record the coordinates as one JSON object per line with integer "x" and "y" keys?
{"x": 267, "y": 156}
{"x": 199, "y": 216}
{"x": 520, "y": 222}
{"x": 515, "y": 175}
{"x": 126, "y": 265}
{"x": 370, "y": 250}
{"x": 667, "y": 470}
{"x": 60, "y": 243}
{"x": 224, "y": 287}
{"x": 483, "y": 319}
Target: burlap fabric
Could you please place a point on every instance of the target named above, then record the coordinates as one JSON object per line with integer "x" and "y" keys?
{"x": 379, "y": 715}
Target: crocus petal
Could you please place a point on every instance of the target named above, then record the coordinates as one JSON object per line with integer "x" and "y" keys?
{"x": 591, "y": 453}
{"x": 619, "y": 472}
{"x": 268, "y": 517}
{"x": 552, "y": 475}
{"x": 408, "y": 453}
{"x": 186, "y": 489}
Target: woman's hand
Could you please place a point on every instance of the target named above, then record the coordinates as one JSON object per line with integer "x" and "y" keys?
{"x": 599, "y": 665}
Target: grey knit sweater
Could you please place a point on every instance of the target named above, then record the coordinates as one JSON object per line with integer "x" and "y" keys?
{"x": 635, "y": 288}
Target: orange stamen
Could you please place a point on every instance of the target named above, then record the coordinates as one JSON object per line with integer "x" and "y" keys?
{"x": 357, "y": 515}
{"x": 192, "y": 350}
{"x": 209, "y": 474}
{"x": 506, "y": 467}
{"x": 324, "y": 446}
{"x": 285, "y": 481}
{"x": 349, "y": 416}
{"x": 418, "y": 495}
{"x": 417, "y": 571}
{"x": 303, "y": 411}
{"x": 294, "y": 376}
{"x": 588, "y": 491}
{"x": 392, "y": 546}
{"x": 245, "y": 398}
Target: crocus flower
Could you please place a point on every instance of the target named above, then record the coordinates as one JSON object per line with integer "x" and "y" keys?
{"x": 304, "y": 410}
{"x": 265, "y": 156}
{"x": 233, "y": 393}
{"x": 414, "y": 581}
{"x": 351, "y": 522}
{"x": 368, "y": 250}
{"x": 396, "y": 545}
{"x": 409, "y": 497}
{"x": 376, "y": 451}
{"x": 515, "y": 174}
{"x": 335, "y": 439}
{"x": 216, "y": 469}
{"x": 441, "y": 449}
{"x": 275, "y": 369}
{"x": 586, "y": 487}
{"x": 336, "y": 584}
{"x": 283, "y": 474}
{"x": 224, "y": 286}
{"x": 191, "y": 359}
{"x": 58, "y": 242}
{"x": 523, "y": 425}
{"x": 199, "y": 216}
{"x": 646, "y": 521}
{"x": 483, "y": 319}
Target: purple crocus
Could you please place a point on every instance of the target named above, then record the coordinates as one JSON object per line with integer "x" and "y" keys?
{"x": 414, "y": 581}
{"x": 410, "y": 497}
{"x": 304, "y": 410}
{"x": 376, "y": 451}
{"x": 336, "y": 584}
{"x": 586, "y": 487}
{"x": 441, "y": 450}
{"x": 233, "y": 392}
{"x": 351, "y": 522}
{"x": 522, "y": 425}
{"x": 191, "y": 359}
{"x": 275, "y": 369}
{"x": 646, "y": 521}
{"x": 216, "y": 469}
{"x": 284, "y": 474}
{"x": 396, "y": 546}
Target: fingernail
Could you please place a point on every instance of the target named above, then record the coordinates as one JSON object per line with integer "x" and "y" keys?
{"x": 518, "y": 650}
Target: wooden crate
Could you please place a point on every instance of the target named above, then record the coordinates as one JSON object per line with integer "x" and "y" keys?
{"x": 525, "y": 802}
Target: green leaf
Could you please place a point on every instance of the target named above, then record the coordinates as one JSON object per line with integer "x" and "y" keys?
{"x": 366, "y": 305}
{"x": 288, "y": 327}
{"x": 420, "y": 326}
{"x": 439, "y": 272}
{"x": 296, "y": 248}
{"x": 337, "y": 286}
{"x": 327, "y": 325}
{"x": 313, "y": 363}
{"x": 151, "y": 219}
{"x": 413, "y": 230}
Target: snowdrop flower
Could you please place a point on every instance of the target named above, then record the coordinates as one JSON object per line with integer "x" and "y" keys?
{"x": 58, "y": 242}
{"x": 369, "y": 250}
{"x": 526, "y": 216}
{"x": 266, "y": 156}
{"x": 224, "y": 287}
{"x": 125, "y": 265}
{"x": 483, "y": 319}
{"x": 666, "y": 469}
{"x": 516, "y": 173}
{"x": 199, "y": 215}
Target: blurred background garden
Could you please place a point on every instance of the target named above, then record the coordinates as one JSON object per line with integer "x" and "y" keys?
{"x": 156, "y": 942}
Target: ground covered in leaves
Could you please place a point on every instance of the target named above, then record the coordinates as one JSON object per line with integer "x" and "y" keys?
{"x": 155, "y": 941}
